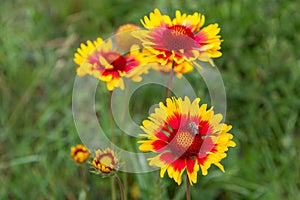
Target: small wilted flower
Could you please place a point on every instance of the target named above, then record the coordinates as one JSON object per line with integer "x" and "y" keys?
{"x": 80, "y": 153}
{"x": 106, "y": 162}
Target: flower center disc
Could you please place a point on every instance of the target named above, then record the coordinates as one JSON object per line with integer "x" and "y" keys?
{"x": 106, "y": 160}
{"x": 116, "y": 60}
{"x": 184, "y": 139}
{"x": 183, "y": 143}
{"x": 178, "y": 38}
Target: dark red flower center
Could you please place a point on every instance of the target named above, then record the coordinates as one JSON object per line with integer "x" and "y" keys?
{"x": 188, "y": 140}
{"x": 116, "y": 60}
{"x": 178, "y": 38}
{"x": 185, "y": 144}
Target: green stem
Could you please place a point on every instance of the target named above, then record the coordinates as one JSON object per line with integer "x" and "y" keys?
{"x": 169, "y": 89}
{"x": 111, "y": 119}
{"x": 121, "y": 187}
{"x": 84, "y": 181}
{"x": 124, "y": 176}
{"x": 159, "y": 187}
{"x": 125, "y": 185}
{"x": 188, "y": 193}
{"x": 113, "y": 188}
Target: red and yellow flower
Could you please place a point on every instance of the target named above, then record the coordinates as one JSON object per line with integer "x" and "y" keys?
{"x": 186, "y": 137}
{"x": 180, "y": 39}
{"x": 106, "y": 161}
{"x": 80, "y": 153}
{"x": 101, "y": 60}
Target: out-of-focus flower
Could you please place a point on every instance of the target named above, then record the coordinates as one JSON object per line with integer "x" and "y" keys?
{"x": 106, "y": 162}
{"x": 80, "y": 153}
{"x": 135, "y": 191}
{"x": 101, "y": 60}
{"x": 186, "y": 137}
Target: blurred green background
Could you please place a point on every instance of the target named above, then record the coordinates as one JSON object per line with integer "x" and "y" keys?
{"x": 260, "y": 67}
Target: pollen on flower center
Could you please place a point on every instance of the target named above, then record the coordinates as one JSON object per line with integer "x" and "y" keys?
{"x": 184, "y": 139}
{"x": 184, "y": 144}
{"x": 178, "y": 38}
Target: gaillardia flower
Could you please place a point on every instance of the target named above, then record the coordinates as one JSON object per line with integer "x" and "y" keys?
{"x": 106, "y": 161}
{"x": 101, "y": 60}
{"x": 80, "y": 153}
{"x": 186, "y": 137}
{"x": 181, "y": 39}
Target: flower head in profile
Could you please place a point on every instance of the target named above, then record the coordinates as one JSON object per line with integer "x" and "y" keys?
{"x": 80, "y": 153}
{"x": 185, "y": 136}
{"x": 101, "y": 60}
{"x": 105, "y": 161}
{"x": 180, "y": 39}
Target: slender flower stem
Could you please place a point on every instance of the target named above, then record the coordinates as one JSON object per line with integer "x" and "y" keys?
{"x": 113, "y": 188}
{"x": 188, "y": 194}
{"x": 121, "y": 187}
{"x": 84, "y": 181}
{"x": 111, "y": 120}
{"x": 169, "y": 89}
{"x": 125, "y": 110}
{"x": 158, "y": 188}
{"x": 125, "y": 185}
